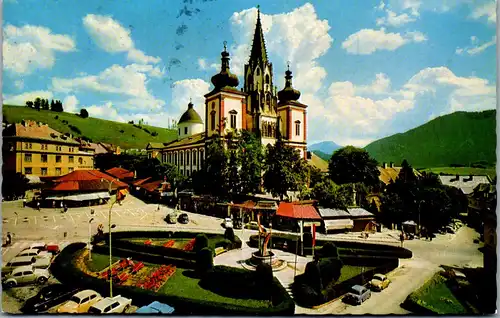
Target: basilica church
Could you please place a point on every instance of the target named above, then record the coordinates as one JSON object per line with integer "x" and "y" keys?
{"x": 257, "y": 107}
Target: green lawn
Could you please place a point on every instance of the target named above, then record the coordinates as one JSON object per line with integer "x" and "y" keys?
{"x": 99, "y": 262}
{"x": 436, "y": 296}
{"x": 463, "y": 171}
{"x": 182, "y": 286}
{"x": 348, "y": 272}
{"x": 99, "y": 130}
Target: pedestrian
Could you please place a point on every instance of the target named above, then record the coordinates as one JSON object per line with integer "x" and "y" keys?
{"x": 402, "y": 238}
{"x": 9, "y": 239}
{"x": 38, "y": 205}
{"x": 24, "y": 202}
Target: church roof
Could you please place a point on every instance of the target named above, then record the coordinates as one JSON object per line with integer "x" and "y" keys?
{"x": 191, "y": 140}
{"x": 288, "y": 93}
{"x": 258, "y": 45}
{"x": 190, "y": 116}
{"x": 224, "y": 78}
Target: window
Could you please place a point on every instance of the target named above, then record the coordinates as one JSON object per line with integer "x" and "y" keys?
{"x": 297, "y": 128}
{"x": 80, "y": 160}
{"x": 28, "y": 170}
{"x": 44, "y": 171}
{"x": 267, "y": 79}
{"x": 175, "y": 158}
{"x": 185, "y": 130}
{"x": 194, "y": 158}
{"x": 201, "y": 158}
{"x": 58, "y": 159}
{"x": 212, "y": 119}
{"x": 179, "y": 132}
{"x": 233, "y": 118}
{"x": 71, "y": 159}
{"x": 28, "y": 145}
{"x": 44, "y": 158}
{"x": 70, "y": 169}
{"x": 44, "y": 147}
{"x": 187, "y": 172}
{"x": 187, "y": 157}
{"x": 58, "y": 171}
{"x": 257, "y": 72}
{"x": 27, "y": 157}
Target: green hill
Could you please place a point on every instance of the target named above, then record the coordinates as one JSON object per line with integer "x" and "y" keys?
{"x": 460, "y": 138}
{"x": 322, "y": 155}
{"x": 98, "y": 130}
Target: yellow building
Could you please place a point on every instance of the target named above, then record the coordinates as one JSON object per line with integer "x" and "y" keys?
{"x": 33, "y": 148}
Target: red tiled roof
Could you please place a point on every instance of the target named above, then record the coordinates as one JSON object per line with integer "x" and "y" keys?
{"x": 245, "y": 205}
{"x": 152, "y": 186}
{"x": 120, "y": 173}
{"x": 141, "y": 181}
{"x": 86, "y": 180}
{"x": 298, "y": 211}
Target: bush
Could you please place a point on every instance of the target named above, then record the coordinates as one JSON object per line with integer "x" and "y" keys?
{"x": 312, "y": 276}
{"x": 329, "y": 250}
{"x": 229, "y": 234}
{"x": 200, "y": 243}
{"x": 84, "y": 113}
{"x": 122, "y": 131}
{"x": 75, "y": 129}
{"x": 57, "y": 117}
{"x": 204, "y": 261}
{"x": 154, "y": 134}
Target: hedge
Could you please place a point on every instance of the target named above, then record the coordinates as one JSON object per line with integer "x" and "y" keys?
{"x": 66, "y": 272}
{"x": 344, "y": 248}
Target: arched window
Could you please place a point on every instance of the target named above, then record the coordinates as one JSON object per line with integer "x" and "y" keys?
{"x": 297, "y": 128}
{"x": 257, "y": 72}
{"x": 181, "y": 157}
{"x": 175, "y": 159}
{"x": 267, "y": 78}
{"x": 194, "y": 157}
{"x": 80, "y": 160}
{"x": 187, "y": 157}
{"x": 233, "y": 114}
{"x": 201, "y": 158}
{"x": 212, "y": 119}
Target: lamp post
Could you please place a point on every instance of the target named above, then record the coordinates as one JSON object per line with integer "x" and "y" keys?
{"x": 109, "y": 229}
{"x": 90, "y": 236}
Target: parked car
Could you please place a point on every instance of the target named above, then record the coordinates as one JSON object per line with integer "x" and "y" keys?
{"x": 252, "y": 225}
{"x": 108, "y": 305}
{"x": 237, "y": 224}
{"x": 16, "y": 262}
{"x": 53, "y": 248}
{"x": 171, "y": 218}
{"x": 26, "y": 275}
{"x": 42, "y": 263}
{"x": 80, "y": 302}
{"x": 155, "y": 308}
{"x": 379, "y": 282}
{"x": 34, "y": 252}
{"x": 450, "y": 230}
{"x": 48, "y": 297}
{"x": 38, "y": 245}
{"x": 357, "y": 295}
{"x": 228, "y": 223}
{"x": 183, "y": 218}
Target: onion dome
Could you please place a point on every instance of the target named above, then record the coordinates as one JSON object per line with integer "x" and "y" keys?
{"x": 225, "y": 78}
{"x": 288, "y": 93}
{"x": 190, "y": 116}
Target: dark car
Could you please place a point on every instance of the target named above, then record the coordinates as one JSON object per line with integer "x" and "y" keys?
{"x": 48, "y": 297}
{"x": 183, "y": 218}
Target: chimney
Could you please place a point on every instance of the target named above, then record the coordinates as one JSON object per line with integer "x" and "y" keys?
{"x": 392, "y": 164}
{"x": 384, "y": 164}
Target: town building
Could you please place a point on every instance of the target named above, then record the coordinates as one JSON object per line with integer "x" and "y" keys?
{"x": 35, "y": 149}
{"x": 466, "y": 184}
{"x": 389, "y": 173}
{"x": 257, "y": 107}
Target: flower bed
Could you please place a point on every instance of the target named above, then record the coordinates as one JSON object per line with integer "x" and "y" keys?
{"x": 190, "y": 245}
{"x": 157, "y": 278}
{"x": 169, "y": 243}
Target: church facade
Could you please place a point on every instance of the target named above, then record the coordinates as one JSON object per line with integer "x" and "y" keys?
{"x": 257, "y": 107}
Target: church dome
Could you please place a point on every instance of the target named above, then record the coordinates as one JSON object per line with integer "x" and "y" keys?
{"x": 225, "y": 78}
{"x": 288, "y": 93}
{"x": 190, "y": 116}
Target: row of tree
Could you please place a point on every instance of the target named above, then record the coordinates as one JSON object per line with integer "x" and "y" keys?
{"x": 39, "y": 103}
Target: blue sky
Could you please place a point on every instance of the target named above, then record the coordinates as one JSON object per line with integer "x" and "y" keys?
{"x": 367, "y": 69}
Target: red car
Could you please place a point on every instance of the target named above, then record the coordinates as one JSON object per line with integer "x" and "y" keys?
{"x": 54, "y": 249}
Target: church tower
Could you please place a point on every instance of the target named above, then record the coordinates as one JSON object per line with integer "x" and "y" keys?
{"x": 261, "y": 102}
{"x": 292, "y": 120}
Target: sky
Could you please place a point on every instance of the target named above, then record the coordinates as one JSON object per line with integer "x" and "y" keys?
{"x": 366, "y": 69}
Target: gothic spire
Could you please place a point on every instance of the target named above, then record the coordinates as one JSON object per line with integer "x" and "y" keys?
{"x": 258, "y": 45}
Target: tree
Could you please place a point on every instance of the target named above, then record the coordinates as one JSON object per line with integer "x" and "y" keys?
{"x": 353, "y": 165}
{"x": 38, "y": 103}
{"x": 45, "y": 104}
{"x": 251, "y": 159}
{"x": 285, "y": 170}
{"x": 201, "y": 241}
{"x": 331, "y": 195}
{"x": 84, "y": 113}
{"x": 233, "y": 177}
{"x": 29, "y": 104}
{"x": 406, "y": 174}
{"x": 14, "y": 184}
{"x": 216, "y": 168}
{"x": 204, "y": 261}
{"x": 52, "y": 105}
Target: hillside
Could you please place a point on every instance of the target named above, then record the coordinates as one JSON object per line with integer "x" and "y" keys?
{"x": 322, "y": 155}
{"x": 327, "y": 147}
{"x": 459, "y": 138}
{"x": 121, "y": 134}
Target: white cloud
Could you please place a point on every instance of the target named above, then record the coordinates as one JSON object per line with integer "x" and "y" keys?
{"x": 474, "y": 50}
{"x": 202, "y": 63}
{"x": 19, "y": 84}
{"x": 21, "y": 99}
{"x": 381, "y": 6}
{"x": 31, "y": 47}
{"x": 112, "y": 37}
{"x": 394, "y": 20}
{"x": 105, "y": 111}
{"x": 70, "y": 104}
{"x": 184, "y": 90}
{"x": 367, "y": 41}
{"x": 487, "y": 10}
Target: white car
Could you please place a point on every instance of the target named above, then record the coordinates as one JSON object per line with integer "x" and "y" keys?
{"x": 35, "y": 253}
{"x": 42, "y": 263}
{"x": 16, "y": 262}
{"x": 26, "y": 275}
{"x": 114, "y": 305}
{"x": 80, "y": 302}
{"x": 38, "y": 245}
{"x": 228, "y": 223}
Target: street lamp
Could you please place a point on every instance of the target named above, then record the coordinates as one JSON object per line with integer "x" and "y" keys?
{"x": 109, "y": 229}
{"x": 90, "y": 235}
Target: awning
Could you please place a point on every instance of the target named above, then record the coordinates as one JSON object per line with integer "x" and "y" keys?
{"x": 82, "y": 197}
{"x": 339, "y": 224}
{"x": 309, "y": 224}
